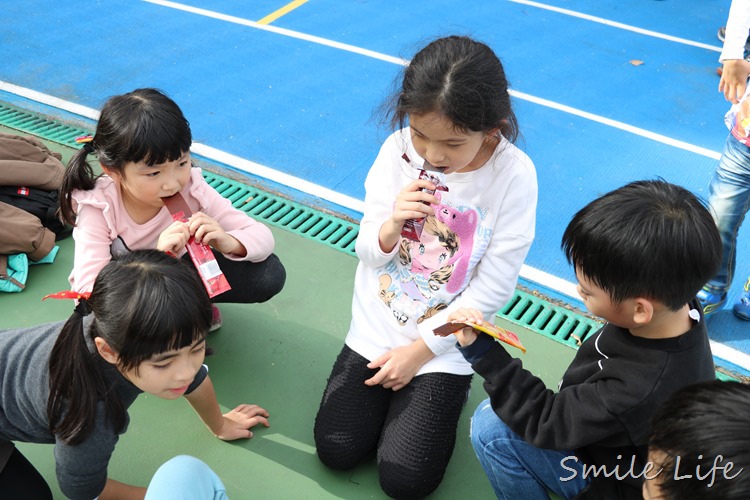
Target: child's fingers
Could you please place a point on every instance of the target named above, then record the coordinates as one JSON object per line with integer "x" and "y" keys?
{"x": 419, "y": 197}
{"x": 207, "y": 233}
{"x": 412, "y": 210}
{"x": 419, "y": 185}
{"x": 199, "y": 220}
{"x": 375, "y": 379}
{"x": 251, "y": 410}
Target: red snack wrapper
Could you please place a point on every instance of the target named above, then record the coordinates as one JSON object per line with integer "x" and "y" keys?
{"x": 413, "y": 227}
{"x": 202, "y": 256}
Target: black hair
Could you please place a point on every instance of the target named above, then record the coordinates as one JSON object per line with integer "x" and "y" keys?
{"x": 458, "y": 78}
{"x": 697, "y": 424}
{"x": 143, "y": 303}
{"x": 647, "y": 239}
{"x": 144, "y": 125}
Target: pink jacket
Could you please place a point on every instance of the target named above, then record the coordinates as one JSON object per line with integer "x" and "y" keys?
{"x": 102, "y": 219}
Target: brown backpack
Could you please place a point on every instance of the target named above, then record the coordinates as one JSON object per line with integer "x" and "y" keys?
{"x": 30, "y": 177}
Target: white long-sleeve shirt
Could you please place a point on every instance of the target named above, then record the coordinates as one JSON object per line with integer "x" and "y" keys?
{"x": 400, "y": 296}
{"x": 737, "y": 30}
{"x": 737, "y": 119}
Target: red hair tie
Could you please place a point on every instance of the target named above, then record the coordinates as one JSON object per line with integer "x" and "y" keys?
{"x": 82, "y": 307}
{"x": 68, "y": 294}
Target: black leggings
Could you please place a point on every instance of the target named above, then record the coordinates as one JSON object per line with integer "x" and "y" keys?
{"x": 413, "y": 429}
{"x": 251, "y": 282}
{"x": 19, "y": 479}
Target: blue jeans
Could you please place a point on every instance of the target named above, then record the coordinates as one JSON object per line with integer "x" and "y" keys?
{"x": 517, "y": 469}
{"x": 729, "y": 200}
{"x": 185, "y": 478}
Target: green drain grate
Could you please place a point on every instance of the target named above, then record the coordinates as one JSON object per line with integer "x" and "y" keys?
{"x": 524, "y": 309}
{"x": 286, "y": 214}
{"x": 555, "y": 322}
{"x": 40, "y": 126}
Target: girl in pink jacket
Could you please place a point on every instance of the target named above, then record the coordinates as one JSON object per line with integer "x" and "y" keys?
{"x": 142, "y": 142}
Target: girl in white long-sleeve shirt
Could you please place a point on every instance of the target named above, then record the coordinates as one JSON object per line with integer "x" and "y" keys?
{"x": 396, "y": 387}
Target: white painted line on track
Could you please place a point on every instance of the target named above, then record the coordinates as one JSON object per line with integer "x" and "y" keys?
{"x": 550, "y": 281}
{"x": 49, "y": 100}
{"x": 280, "y": 31}
{"x": 278, "y": 177}
{"x": 615, "y": 24}
{"x": 619, "y": 125}
{"x": 730, "y": 354}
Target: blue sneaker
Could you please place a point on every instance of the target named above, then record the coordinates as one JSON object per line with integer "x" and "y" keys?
{"x": 712, "y": 302}
{"x": 741, "y": 308}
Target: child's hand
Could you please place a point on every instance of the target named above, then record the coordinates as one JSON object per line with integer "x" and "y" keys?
{"x": 174, "y": 238}
{"x": 207, "y": 231}
{"x": 238, "y": 422}
{"x": 734, "y": 79}
{"x": 398, "y": 366}
{"x": 466, "y": 336}
{"x": 413, "y": 203}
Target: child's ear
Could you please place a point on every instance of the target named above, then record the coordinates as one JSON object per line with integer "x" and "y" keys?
{"x": 643, "y": 311}
{"x": 112, "y": 174}
{"x": 105, "y": 351}
{"x": 492, "y": 135}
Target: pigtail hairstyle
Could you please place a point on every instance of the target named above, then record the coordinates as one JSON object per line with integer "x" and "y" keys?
{"x": 144, "y": 303}
{"x": 78, "y": 175}
{"x": 141, "y": 126}
{"x": 458, "y": 78}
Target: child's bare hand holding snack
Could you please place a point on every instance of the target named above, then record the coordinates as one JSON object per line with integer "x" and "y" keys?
{"x": 208, "y": 231}
{"x": 412, "y": 202}
{"x": 466, "y": 336}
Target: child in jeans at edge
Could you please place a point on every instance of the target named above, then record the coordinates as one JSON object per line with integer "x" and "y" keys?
{"x": 729, "y": 190}
{"x": 641, "y": 253}
{"x": 697, "y": 433}
{"x": 142, "y": 142}
{"x": 396, "y": 388}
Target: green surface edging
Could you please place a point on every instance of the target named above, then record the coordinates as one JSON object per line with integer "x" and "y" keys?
{"x": 523, "y": 309}
{"x": 40, "y": 126}
{"x": 292, "y": 216}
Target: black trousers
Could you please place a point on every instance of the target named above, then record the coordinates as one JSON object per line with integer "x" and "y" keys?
{"x": 20, "y": 480}
{"x": 251, "y": 282}
{"x": 413, "y": 430}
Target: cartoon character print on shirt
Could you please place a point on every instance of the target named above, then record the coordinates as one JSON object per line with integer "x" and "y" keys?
{"x": 402, "y": 308}
{"x": 464, "y": 224}
{"x": 440, "y": 259}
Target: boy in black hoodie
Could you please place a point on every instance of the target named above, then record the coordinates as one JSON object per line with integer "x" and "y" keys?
{"x": 641, "y": 253}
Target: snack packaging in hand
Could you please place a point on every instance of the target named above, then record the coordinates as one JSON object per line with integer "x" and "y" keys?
{"x": 203, "y": 258}
{"x": 413, "y": 227}
{"x": 495, "y": 331}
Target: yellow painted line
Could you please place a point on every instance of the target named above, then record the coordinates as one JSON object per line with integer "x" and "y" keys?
{"x": 284, "y": 10}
